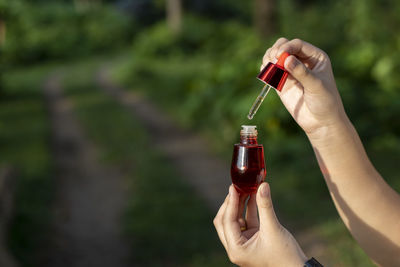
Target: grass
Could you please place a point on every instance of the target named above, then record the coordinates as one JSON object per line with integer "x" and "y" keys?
{"x": 24, "y": 144}
{"x": 166, "y": 223}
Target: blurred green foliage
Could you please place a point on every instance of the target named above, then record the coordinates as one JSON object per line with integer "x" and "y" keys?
{"x": 57, "y": 30}
{"x": 24, "y": 145}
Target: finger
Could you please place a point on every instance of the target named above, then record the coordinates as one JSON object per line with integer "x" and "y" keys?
{"x": 291, "y": 83}
{"x": 292, "y": 96}
{"x": 230, "y": 223}
{"x": 242, "y": 224}
{"x": 242, "y": 204}
{"x": 301, "y": 73}
{"x": 218, "y": 222}
{"x": 280, "y": 41}
{"x": 232, "y": 207}
{"x": 276, "y": 46}
{"x": 267, "y": 56}
{"x": 303, "y": 50}
{"x": 268, "y": 220}
{"x": 251, "y": 213}
{"x": 221, "y": 210}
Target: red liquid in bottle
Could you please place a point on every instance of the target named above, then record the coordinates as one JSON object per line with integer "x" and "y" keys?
{"x": 248, "y": 166}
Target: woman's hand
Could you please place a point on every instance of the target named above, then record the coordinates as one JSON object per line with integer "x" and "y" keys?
{"x": 310, "y": 93}
{"x": 264, "y": 242}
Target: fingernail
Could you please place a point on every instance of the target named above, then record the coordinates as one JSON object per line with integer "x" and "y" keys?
{"x": 291, "y": 63}
{"x": 264, "y": 190}
{"x": 279, "y": 53}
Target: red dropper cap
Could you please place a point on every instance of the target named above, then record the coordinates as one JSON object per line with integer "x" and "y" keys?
{"x": 275, "y": 74}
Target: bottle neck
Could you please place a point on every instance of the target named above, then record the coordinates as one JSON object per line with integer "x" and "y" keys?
{"x": 248, "y": 139}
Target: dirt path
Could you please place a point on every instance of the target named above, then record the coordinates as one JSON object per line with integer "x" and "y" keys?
{"x": 90, "y": 197}
{"x": 206, "y": 173}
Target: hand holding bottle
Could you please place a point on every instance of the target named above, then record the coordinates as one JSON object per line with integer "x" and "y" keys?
{"x": 310, "y": 93}
{"x": 265, "y": 242}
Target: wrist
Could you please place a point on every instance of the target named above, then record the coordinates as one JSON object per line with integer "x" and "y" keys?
{"x": 299, "y": 260}
{"x": 330, "y": 133}
{"x": 302, "y": 260}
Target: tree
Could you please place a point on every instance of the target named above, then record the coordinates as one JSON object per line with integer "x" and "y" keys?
{"x": 4, "y": 12}
{"x": 265, "y": 17}
{"x": 83, "y": 5}
{"x": 174, "y": 15}
{"x": 2, "y": 31}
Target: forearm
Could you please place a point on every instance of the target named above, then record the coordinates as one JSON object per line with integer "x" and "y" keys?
{"x": 368, "y": 206}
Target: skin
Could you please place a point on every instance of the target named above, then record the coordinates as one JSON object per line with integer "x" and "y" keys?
{"x": 368, "y": 206}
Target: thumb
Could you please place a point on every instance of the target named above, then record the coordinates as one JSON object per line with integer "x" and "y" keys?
{"x": 268, "y": 220}
{"x": 301, "y": 73}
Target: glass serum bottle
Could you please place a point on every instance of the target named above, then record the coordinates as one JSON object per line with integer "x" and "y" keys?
{"x": 248, "y": 166}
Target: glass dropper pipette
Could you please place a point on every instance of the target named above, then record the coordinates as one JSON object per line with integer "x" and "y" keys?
{"x": 259, "y": 100}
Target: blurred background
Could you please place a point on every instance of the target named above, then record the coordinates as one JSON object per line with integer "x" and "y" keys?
{"x": 117, "y": 121}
